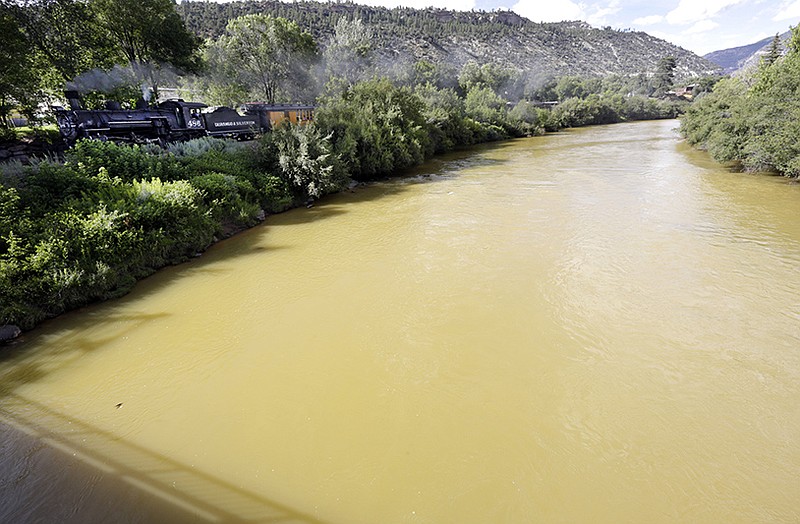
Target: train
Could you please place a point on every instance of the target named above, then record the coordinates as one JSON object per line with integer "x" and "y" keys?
{"x": 173, "y": 120}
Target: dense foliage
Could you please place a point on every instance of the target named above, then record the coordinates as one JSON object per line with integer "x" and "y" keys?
{"x": 53, "y": 42}
{"x": 87, "y": 228}
{"x": 753, "y": 120}
{"x": 260, "y": 54}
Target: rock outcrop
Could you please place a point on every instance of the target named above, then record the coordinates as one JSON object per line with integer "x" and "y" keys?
{"x": 9, "y": 333}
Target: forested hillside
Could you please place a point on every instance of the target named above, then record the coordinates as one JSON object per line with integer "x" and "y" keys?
{"x": 450, "y": 37}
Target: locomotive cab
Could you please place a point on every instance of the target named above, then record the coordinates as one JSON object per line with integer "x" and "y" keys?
{"x": 188, "y": 113}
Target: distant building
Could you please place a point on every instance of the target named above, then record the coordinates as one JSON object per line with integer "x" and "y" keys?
{"x": 683, "y": 92}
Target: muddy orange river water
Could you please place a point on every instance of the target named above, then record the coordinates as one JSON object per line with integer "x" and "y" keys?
{"x": 600, "y": 325}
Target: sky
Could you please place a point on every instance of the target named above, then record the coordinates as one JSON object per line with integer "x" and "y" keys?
{"x": 700, "y": 26}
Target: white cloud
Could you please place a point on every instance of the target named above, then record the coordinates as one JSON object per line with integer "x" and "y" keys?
{"x": 788, "y": 11}
{"x": 692, "y": 11}
{"x": 649, "y": 20}
{"x": 599, "y": 15}
{"x": 549, "y": 10}
{"x": 701, "y": 27}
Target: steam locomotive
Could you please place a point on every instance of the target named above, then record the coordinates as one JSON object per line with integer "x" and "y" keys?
{"x": 173, "y": 121}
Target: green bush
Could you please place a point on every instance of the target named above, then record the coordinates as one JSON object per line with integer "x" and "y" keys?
{"x": 375, "y": 127}
{"x": 126, "y": 162}
{"x": 199, "y": 146}
{"x": 485, "y": 106}
{"x": 225, "y": 196}
{"x": 7, "y": 134}
{"x": 49, "y": 186}
{"x": 525, "y": 119}
{"x": 301, "y": 157}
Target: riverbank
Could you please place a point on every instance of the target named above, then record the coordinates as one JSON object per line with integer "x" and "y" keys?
{"x": 87, "y": 229}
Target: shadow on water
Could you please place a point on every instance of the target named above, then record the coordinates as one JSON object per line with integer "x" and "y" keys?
{"x": 130, "y": 474}
{"x": 144, "y": 485}
{"x": 18, "y": 366}
{"x": 185, "y": 493}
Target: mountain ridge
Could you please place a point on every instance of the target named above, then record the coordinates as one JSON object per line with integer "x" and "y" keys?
{"x": 457, "y": 37}
{"x": 739, "y": 58}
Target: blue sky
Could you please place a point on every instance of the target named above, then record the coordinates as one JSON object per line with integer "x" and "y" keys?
{"x": 701, "y": 26}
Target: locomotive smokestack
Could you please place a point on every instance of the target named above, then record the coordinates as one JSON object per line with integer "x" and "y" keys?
{"x": 74, "y": 99}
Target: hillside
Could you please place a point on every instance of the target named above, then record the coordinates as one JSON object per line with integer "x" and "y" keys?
{"x": 737, "y": 58}
{"x": 453, "y": 37}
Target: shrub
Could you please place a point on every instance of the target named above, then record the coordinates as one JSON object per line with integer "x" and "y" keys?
{"x": 49, "y": 186}
{"x": 7, "y": 134}
{"x": 199, "y": 146}
{"x": 301, "y": 157}
{"x": 526, "y": 119}
{"x": 485, "y": 106}
{"x": 125, "y": 162}
{"x": 375, "y": 127}
{"x": 225, "y": 196}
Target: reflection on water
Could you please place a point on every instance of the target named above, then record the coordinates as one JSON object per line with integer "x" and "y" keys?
{"x": 598, "y": 325}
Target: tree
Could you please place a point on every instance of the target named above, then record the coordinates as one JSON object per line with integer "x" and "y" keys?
{"x": 492, "y": 76}
{"x": 15, "y": 63}
{"x": 348, "y": 55}
{"x": 665, "y": 76}
{"x": 484, "y": 105}
{"x": 774, "y": 51}
{"x": 375, "y": 127}
{"x": 149, "y": 33}
{"x": 67, "y": 36}
{"x": 754, "y": 120}
{"x": 441, "y": 75}
{"x": 264, "y": 54}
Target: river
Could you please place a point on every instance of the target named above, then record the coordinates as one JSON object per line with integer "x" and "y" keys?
{"x": 599, "y": 325}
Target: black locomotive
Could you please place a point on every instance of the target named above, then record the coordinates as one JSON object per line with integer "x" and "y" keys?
{"x": 173, "y": 121}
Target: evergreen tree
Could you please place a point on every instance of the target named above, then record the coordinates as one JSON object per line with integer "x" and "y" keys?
{"x": 774, "y": 51}
{"x": 665, "y": 76}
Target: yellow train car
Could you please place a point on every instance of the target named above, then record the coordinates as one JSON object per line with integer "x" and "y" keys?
{"x": 271, "y": 116}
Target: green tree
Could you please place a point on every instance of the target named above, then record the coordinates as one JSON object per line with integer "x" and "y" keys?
{"x": 149, "y": 34}
{"x": 445, "y": 117}
{"x": 492, "y": 76}
{"x": 264, "y": 54}
{"x": 484, "y": 105}
{"x": 571, "y": 87}
{"x": 348, "y": 55}
{"x": 67, "y": 35}
{"x": 754, "y": 120}
{"x": 375, "y": 127}
{"x": 774, "y": 51}
{"x": 16, "y": 75}
{"x": 664, "y": 76}
{"x": 301, "y": 157}
{"x": 441, "y": 75}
